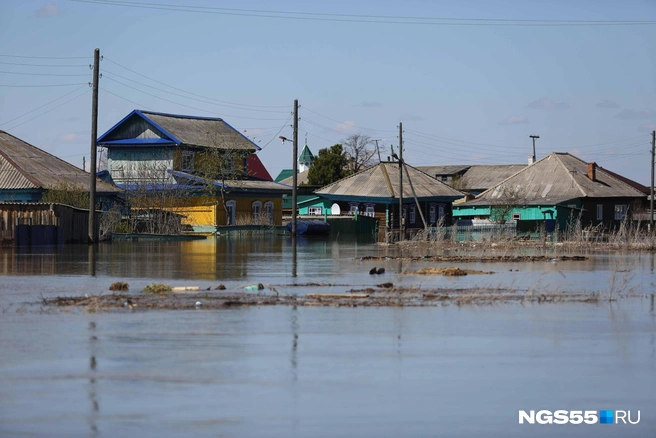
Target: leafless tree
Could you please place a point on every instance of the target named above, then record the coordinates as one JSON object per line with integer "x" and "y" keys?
{"x": 359, "y": 151}
{"x": 505, "y": 200}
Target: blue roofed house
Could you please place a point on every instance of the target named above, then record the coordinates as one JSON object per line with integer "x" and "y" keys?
{"x": 202, "y": 162}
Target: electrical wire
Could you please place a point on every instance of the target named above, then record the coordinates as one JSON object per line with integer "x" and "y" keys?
{"x": 337, "y": 121}
{"x": 40, "y": 74}
{"x": 190, "y": 98}
{"x": 375, "y": 19}
{"x": 190, "y": 93}
{"x": 42, "y": 106}
{"x": 276, "y": 134}
{"x": 127, "y": 100}
{"x": 44, "y": 57}
{"x": 42, "y": 86}
{"x": 51, "y": 109}
{"x": 184, "y": 105}
{"x": 43, "y": 65}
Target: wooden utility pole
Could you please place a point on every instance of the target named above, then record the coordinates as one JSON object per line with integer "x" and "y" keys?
{"x": 295, "y": 168}
{"x": 93, "y": 236}
{"x": 534, "y": 137}
{"x": 651, "y": 200}
{"x": 401, "y": 181}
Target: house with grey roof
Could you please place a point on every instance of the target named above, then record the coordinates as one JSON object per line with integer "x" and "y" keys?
{"x": 554, "y": 190}
{"x": 375, "y": 192}
{"x": 202, "y": 161}
{"x": 472, "y": 179}
{"x": 27, "y": 172}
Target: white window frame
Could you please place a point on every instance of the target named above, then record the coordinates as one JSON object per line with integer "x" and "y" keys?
{"x": 370, "y": 210}
{"x": 256, "y": 209}
{"x": 517, "y": 216}
{"x": 315, "y": 210}
{"x": 620, "y": 211}
{"x": 600, "y": 212}
{"x": 441, "y": 211}
{"x": 353, "y": 208}
{"x": 268, "y": 212}
{"x": 413, "y": 214}
{"x": 231, "y": 216}
{"x": 187, "y": 161}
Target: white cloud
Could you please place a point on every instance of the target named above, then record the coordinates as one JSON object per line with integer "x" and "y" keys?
{"x": 520, "y": 119}
{"x": 545, "y": 103}
{"x": 48, "y": 10}
{"x": 632, "y": 114}
{"x": 607, "y": 104}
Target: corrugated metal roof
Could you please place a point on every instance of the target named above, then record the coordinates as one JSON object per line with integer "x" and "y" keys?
{"x": 204, "y": 132}
{"x": 449, "y": 170}
{"x": 23, "y": 166}
{"x": 474, "y": 177}
{"x": 372, "y": 183}
{"x": 556, "y": 178}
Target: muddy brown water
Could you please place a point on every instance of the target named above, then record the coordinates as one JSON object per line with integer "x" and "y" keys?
{"x": 280, "y": 371}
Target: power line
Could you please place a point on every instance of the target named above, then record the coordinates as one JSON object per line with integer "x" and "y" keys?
{"x": 44, "y": 105}
{"x": 40, "y": 74}
{"x": 43, "y": 65}
{"x": 44, "y": 57}
{"x": 373, "y": 19}
{"x": 276, "y": 134}
{"x": 41, "y": 86}
{"x": 188, "y": 92}
{"x": 190, "y": 98}
{"x": 338, "y": 121}
{"x": 51, "y": 109}
{"x": 127, "y": 100}
{"x": 187, "y": 106}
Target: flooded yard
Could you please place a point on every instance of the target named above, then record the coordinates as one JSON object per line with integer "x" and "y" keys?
{"x": 452, "y": 369}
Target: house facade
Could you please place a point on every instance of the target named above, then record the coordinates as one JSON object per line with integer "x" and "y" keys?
{"x": 375, "y": 192}
{"x": 205, "y": 168}
{"x": 554, "y": 191}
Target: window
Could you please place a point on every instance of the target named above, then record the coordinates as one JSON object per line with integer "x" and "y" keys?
{"x": 370, "y": 210}
{"x": 432, "y": 214}
{"x": 257, "y": 212}
{"x": 187, "y": 161}
{"x": 231, "y": 206}
{"x": 516, "y": 216}
{"x": 353, "y": 208}
{"x": 315, "y": 211}
{"x": 600, "y": 212}
{"x": 620, "y": 212}
{"x": 441, "y": 212}
{"x": 413, "y": 214}
{"x": 268, "y": 213}
{"x": 444, "y": 178}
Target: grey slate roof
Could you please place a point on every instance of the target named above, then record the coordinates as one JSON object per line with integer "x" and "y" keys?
{"x": 205, "y": 132}
{"x": 557, "y": 178}
{"x": 371, "y": 183}
{"x": 475, "y": 177}
{"x": 23, "y": 166}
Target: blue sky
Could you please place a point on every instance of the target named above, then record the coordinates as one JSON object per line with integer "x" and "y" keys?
{"x": 466, "y": 94}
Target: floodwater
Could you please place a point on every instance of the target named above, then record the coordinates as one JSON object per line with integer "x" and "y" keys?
{"x": 278, "y": 371}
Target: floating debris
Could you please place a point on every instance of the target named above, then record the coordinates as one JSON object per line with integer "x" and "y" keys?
{"x": 198, "y": 304}
{"x": 220, "y": 287}
{"x": 157, "y": 288}
{"x": 119, "y": 286}
{"x": 185, "y": 288}
{"x": 385, "y": 285}
{"x": 449, "y": 272}
{"x": 252, "y": 287}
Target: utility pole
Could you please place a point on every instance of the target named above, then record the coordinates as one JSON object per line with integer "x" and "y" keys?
{"x": 534, "y": 137}
{"x": 84, "y": 163}
{"x": 93, "y": 236}
{"x": 295, "y": 168}
{"x": 401, "y": 181}
{"x": 651, "y": 201}
{"x": 378, "y": 150}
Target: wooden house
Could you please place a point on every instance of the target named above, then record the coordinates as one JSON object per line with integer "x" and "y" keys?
{"x": 375, "y": 192}
{"x": 204, "y": 168}
{"x": 27, "y": 172}
{"x": 554, "y": 190}
{"x": 473, "y": 179}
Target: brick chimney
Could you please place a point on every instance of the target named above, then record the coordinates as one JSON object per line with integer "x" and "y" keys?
{"x": 592, "y": 171}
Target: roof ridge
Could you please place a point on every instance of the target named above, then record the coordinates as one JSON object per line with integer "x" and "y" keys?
{"x": 433, "y": 178}
{"x": 583, "y": 192}
{"x": 525, "y": 169}
{"x": 349, "y": 176}
{"x": 181, "y": 116}
{"x": 20, "y": 170}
